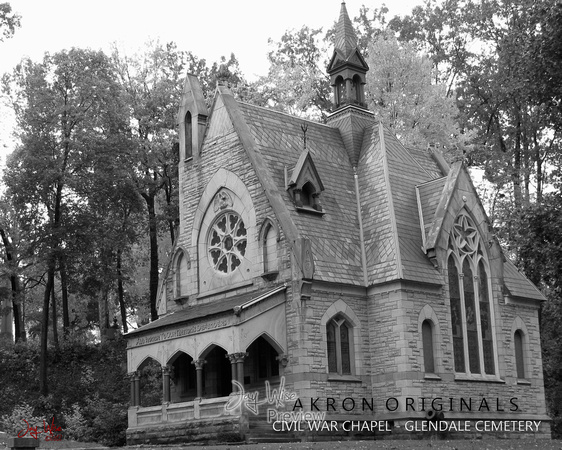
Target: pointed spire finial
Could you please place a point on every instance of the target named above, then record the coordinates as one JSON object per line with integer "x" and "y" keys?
{"x": 346, "y": 39}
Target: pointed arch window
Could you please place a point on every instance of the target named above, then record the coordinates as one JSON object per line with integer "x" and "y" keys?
{"x": 339, "y": 337}
{"x": 469, "y": 295}
{"x": 519, "y": 354}
{"x": 269, "y": 242}
{"x": 339, "y": 91}
{"x": 181, "y": 267}
{"x": 427, "y": 339}
{"x": 188, "y": 136}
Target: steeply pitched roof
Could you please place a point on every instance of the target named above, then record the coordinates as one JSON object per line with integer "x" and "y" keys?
{"x": 517, "y": 285}
{"x": 334, "y": 236}
{"x": 401, "y": 191}
{"x": 403, "y": 174}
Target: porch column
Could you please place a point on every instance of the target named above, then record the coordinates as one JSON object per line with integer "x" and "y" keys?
{"x": 166, "y": 383}
{"x": 199, "y": 371}
{"x": 136, "y": 382}
{"x": 232, "y": 358}
{"x": 131, "y": 377}
{"x": 240, "y": 366}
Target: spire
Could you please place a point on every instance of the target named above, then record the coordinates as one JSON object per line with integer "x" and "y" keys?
{"x": 347, "y": 70}
{"x": 347, "y": 67}
{"x": 346, "y": 40}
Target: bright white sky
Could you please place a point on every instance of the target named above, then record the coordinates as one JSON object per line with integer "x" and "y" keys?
{"x": 209, "y": 29}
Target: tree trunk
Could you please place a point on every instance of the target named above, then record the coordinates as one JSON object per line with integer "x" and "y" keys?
{"x": 64, "y": 294}
{"x": 19, "y": 329}
{"x": 153, "y": 235}
{"x": 121, "y": 293}
{"x": 516, "y": 170}
{"x": 16, "y": 290}
{"x": 43, "y": 359}
{"x": 55, "y": 328}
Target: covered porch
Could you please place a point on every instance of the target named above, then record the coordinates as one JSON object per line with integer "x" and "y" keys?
{"x": 181, "y": 378}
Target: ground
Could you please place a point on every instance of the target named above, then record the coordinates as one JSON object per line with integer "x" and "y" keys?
{"x": 481, "y": 444}
{"x": 487, "y": 444}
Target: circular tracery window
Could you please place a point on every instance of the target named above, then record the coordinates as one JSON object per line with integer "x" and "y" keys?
{"x": 227, "y": 242}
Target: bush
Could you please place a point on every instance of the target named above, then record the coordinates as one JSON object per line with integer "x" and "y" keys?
{"x": 88, "y": 391}
{"x": 20, "y": 419}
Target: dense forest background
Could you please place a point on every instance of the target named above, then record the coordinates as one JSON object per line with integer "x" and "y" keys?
{"x": 89, "y": 209}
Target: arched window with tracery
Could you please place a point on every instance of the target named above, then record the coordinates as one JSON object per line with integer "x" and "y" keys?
{"x": 469, "y": 294}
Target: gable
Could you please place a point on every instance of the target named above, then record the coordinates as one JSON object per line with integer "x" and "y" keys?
{"x": 440, "y": 202}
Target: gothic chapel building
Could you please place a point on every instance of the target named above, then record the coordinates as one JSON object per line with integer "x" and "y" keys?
{"x": 361, "y": 275}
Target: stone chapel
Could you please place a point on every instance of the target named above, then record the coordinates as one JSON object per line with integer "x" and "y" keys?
{"x": 329, "y": 262}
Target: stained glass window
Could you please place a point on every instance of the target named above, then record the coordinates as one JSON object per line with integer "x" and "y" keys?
{"x": 471, "y": 319}
{"x": 227, "y": 242}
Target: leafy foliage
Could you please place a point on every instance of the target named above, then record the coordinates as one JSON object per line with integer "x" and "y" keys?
{"x": 401, "y": 92}
{"x": 9, "y": 21}
{"x": 89, "y": 390}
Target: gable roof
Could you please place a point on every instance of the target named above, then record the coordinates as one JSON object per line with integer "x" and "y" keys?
{"x": 403, "y": 196}
{"x": 334, "y": 237}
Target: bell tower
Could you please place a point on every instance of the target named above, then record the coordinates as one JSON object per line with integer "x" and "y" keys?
{"x": 347, "y": 67}
{"x": 347, "y": 70}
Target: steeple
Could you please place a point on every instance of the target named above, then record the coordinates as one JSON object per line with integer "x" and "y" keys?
{"x": 347, "y": 70}
{"x": 347, "y": 67}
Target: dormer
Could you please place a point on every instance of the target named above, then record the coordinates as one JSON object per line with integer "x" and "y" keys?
{"x": 192, "y": 119}
{"x": 305, "y": 185}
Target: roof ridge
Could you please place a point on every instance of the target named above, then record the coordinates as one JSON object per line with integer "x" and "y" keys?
{"x": 284, "y": 114}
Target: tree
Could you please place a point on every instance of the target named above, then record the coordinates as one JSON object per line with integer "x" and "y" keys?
{"x": 151, "y": 82}
{"x": 401, "y": 92}
{"x": 65, "y": 108}
{"x": 296, "y": 81}
{"x": 540, "y": 239}
{"x": 9, "y": 21}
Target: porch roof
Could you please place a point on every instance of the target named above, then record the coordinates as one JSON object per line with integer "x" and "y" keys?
{"x": 233, "y": 304}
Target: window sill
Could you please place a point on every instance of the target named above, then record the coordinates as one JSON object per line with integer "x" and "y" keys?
{"x": 478, "y": 379}
{"x": 309, "y": 210}
{"x": 343, "y": 378}
{"x": 432, "y": 376}
{"x": 523, "y": 381}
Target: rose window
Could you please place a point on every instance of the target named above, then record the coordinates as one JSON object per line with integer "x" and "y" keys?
{"x": 227, "y": 242}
